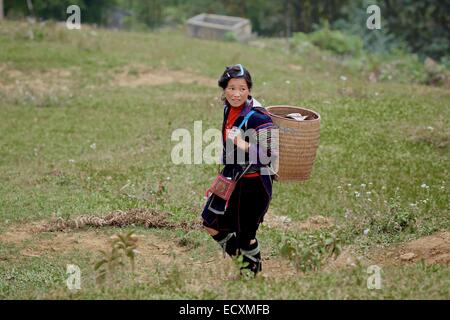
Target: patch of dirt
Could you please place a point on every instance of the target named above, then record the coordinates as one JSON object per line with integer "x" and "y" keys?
{"x": 347, "y": 259}
{"x": 20, "y": 233}
{"x": 35, "y": 84}
{"x": 278, "y": 268}
{"x": 284, "y": 222}
{"x": 61, "y": 242}
{"x": 73, "y": 234}
{"x": 436, "y": 135}
{"x": 15, "y": 236}
{"x": 433, "y": 249}
{"x": 295, "y": 67}
{"x": 150, "y": 247}
{"x": 90, "y": 240}
{"x": 144, "y": 76}
{"x": 35, "y": 76}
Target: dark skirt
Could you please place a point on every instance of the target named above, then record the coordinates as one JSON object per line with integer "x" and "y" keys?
{"x": 246, "y": 209}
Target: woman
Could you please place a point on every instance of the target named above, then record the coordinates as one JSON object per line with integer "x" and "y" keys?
{"x": 234, "y": 223}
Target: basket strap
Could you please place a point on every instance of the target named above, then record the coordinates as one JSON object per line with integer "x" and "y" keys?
{"x": 247, "y": 116}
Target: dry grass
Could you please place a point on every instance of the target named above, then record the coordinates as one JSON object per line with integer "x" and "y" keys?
{"x": 148, "y": 218}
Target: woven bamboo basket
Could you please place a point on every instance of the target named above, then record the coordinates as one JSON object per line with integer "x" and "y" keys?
{"x": 298, "y": 142}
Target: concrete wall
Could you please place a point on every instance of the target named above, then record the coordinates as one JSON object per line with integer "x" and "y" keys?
{"x": 215, "y": 27}
{"x": 1, "y": 10}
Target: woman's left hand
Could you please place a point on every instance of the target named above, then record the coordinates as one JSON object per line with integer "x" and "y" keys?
{"x": 235, "y": 135}
{"x": 241, "y": 143}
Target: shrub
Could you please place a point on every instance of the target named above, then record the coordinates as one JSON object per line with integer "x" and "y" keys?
{"x": 336, "y": 41}
{"x": 309, "y": 252}
{"x": 229, "y": 36}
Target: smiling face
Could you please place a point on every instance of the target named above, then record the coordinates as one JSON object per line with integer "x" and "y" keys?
{"x": 236, "y": 92}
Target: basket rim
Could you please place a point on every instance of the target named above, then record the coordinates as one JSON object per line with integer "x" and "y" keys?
{"x": 268, "y": 108}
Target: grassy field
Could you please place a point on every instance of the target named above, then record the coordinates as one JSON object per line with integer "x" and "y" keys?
{"x": 85, "y": 130}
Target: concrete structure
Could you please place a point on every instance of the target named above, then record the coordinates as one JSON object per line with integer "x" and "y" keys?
{"x": 217, "y": 27}
{"x": 1, "y": 10}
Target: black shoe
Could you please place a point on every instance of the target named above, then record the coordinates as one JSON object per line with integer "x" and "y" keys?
{"x": 252, "y": 258}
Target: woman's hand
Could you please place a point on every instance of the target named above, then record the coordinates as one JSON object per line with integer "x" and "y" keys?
{"x": 241, "y": 143}
{"x": 235, "y": 135}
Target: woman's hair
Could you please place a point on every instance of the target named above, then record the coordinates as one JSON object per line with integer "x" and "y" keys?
{"x": 236, "y": 71}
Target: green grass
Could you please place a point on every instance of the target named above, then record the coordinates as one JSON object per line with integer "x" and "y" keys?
{"x": 379, "y": 136}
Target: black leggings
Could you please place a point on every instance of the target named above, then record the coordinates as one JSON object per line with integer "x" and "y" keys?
{"x": 246, "y": 208}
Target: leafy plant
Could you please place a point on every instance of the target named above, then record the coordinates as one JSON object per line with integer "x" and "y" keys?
{"x": 123, "y": 246}
{"x": 229, "y": 36}
{"x": 310, "y": 252}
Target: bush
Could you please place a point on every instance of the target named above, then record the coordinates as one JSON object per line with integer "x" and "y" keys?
{"x": 310, "y": 251}
{"x": 229, "y": 37}
{"x": 336, "y": 41}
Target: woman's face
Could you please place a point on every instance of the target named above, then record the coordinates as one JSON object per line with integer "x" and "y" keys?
{"x": 236, "y": 92}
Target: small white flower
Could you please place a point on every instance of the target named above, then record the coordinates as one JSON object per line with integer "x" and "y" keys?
{"x": 349, "y": 184}
{"x": 368, "y": 193}
{"x": 288, "y": 82}
{"x": 424, "y": 186}
{"x": 357, "y": 194}
{"x": 430, "y": 128}
{"x": 363, "y": 185}
{"x": 339, "y": 187}
{"x": 168, "y": 178}
{"x": 442, "y": 187}
{"x": 71, "y": 161}
{"x": 93, "y": 146}
{"x": 366, "y": 232}
{"x": 368, "y": 199}
{"x": 376, "y": 93}
{"x": 343, "y": 78}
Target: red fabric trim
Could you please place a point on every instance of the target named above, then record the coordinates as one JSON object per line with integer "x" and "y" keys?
{"x": 251, "y": 175}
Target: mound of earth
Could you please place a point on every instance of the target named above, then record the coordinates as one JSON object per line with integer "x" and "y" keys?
{"x": 433, "y": 249}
